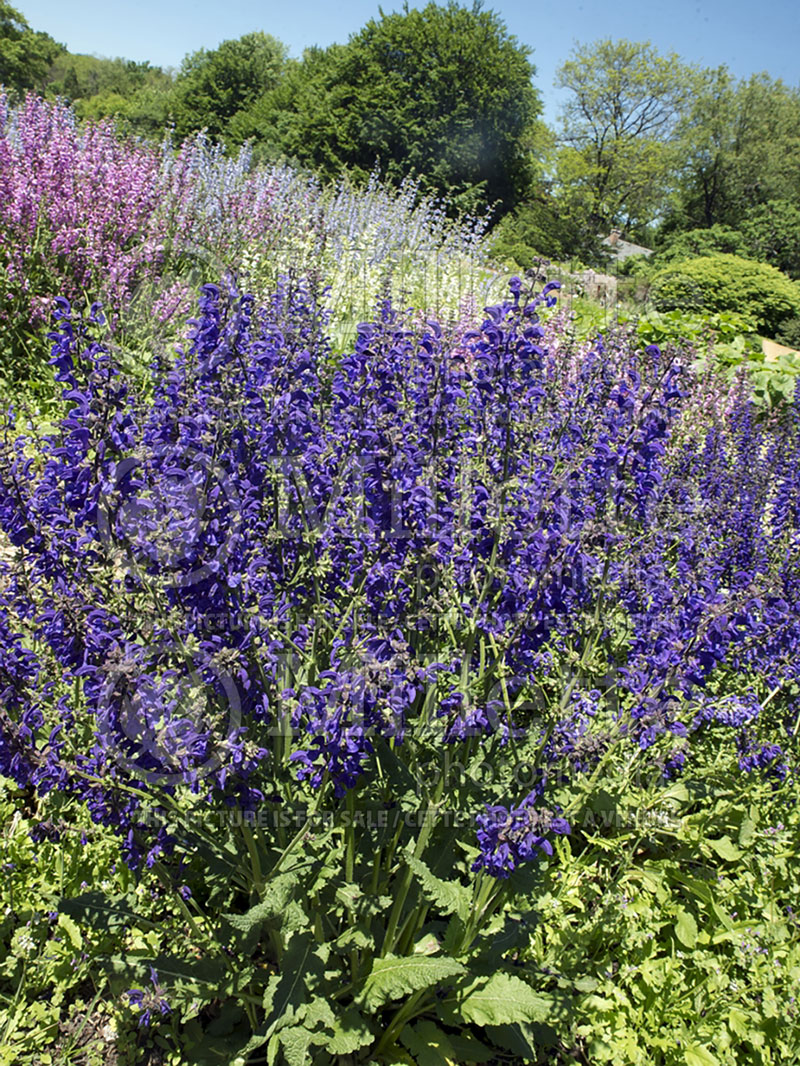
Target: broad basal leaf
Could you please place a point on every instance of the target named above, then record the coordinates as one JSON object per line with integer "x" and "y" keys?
{"x": 498, "y": 1000}
{"x": 394, "y": 977}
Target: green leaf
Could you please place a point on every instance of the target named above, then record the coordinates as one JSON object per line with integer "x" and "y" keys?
{"x": 105, "y": 912}
{"x": 518, "y": 1039}
{"x": 295, "y": 1042}
{"x": 686, "y": 928}
{"x": 453, "y": 935}
{"x": 449, "y": 897}
{"x": 358, "y": 936}
{"x": 350, "y": 1032}
{"x": 206, "y": 976}
{"x": 394, "y": 977}
{"x": 428, "y": 1044}
{"x": 739, "y": 1022}
{"x": 72, "y": 930}
{"x": 498, "y": 1000}
{"x": 276, "y": 904}
{"x": 318, "y": 1012}
{"x": 586, "y": 984}
{"x": 427, "y": 945}
{"x": 726, "y": 849}
{"x": 467, "y": 1049}
{"x": 696, "y": 1055}
{"x": 287, "y": 994}
{"x": 288, "y": 991}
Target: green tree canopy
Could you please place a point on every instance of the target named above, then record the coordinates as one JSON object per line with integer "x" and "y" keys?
{"x": 619, "y": 128}
{"x": 212, "y": 87}
{"x": 25, "y": 54}
{"x": 443, "y": 92}
{"x": 79, "y": 77}
{"x": 740, "y": 147}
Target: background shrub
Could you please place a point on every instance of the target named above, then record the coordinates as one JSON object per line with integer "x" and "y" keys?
{"x": 728, "y": 283}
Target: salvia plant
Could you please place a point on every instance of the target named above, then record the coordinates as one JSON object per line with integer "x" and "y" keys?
{"x": 343, "y": 648}
{"x": 84, "y": 210}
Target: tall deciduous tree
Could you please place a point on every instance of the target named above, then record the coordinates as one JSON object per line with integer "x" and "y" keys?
{"x": 619, "y": 127}
{"x": 740, "y": 147}
{"x": 443, "y": 92}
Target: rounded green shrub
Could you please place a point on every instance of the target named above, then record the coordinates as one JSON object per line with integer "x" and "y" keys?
{"x": 728, "y": 283}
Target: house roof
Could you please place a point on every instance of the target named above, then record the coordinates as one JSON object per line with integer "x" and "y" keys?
{"x": 621, "y": 249}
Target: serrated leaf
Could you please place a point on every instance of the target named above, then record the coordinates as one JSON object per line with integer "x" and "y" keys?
{"x": 738, "y": 1022}
{"x": 287, "y": 994}
{"x": 290, "y": 989}
{"x": 686, "y": 928}
{"x": 393, "y": 976}
{"x": 453, "y": 935}
{"x": 295, "y": 1042}
{"x": 429, "y": 1045}
{"x": 501, "y": 999}
{"x": 450, "y": 897}
{"x": 71, "y": 929}
{"x": 318, "y": 1012}
{"x": 275, "y": 904}
{"x": 350, "y": 1032}
{"x": 358, "y": 937}
{"x": 348, "y": 895}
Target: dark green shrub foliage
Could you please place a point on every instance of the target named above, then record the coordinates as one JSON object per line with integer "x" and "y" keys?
{"x": 701, "y": 242}
{"x": 789, "y": 333}
{"x": 729, "y": 283}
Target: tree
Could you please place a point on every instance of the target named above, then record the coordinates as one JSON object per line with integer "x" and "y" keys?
{"x": 618, "y": 140}
{"x": 81, "y": 77}
{"x": 25, "y": 54}
{"x": 740, "y": 146}
{"x": 772, "y": 233}
{"x": 212, "y": 87}
{"x": 443, "y": 92}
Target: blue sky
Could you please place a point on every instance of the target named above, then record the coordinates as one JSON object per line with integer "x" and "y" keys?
{"x": 746, "y": 36}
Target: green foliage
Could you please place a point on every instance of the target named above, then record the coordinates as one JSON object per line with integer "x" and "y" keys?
{"x": 55, "y": 1003}
{"x": 25, "y": 54}
{"x": 789, "y": 333}
{"x": 81, "y": 77}
{"x": 661, "y": 933}
{"x": 739, "y": 148}
{"x": 671, "y": 923}
{"x": 213, "y": 87}
{"x": 722, "y": 341}
{"x": 543, "y": 227}
{"x": 692, "y": 244}
{"x": 444, "y": 93}
{"x": 728, "y": 283}
{"x": 772, "y": 233}
{"x": 618, "y": 129}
